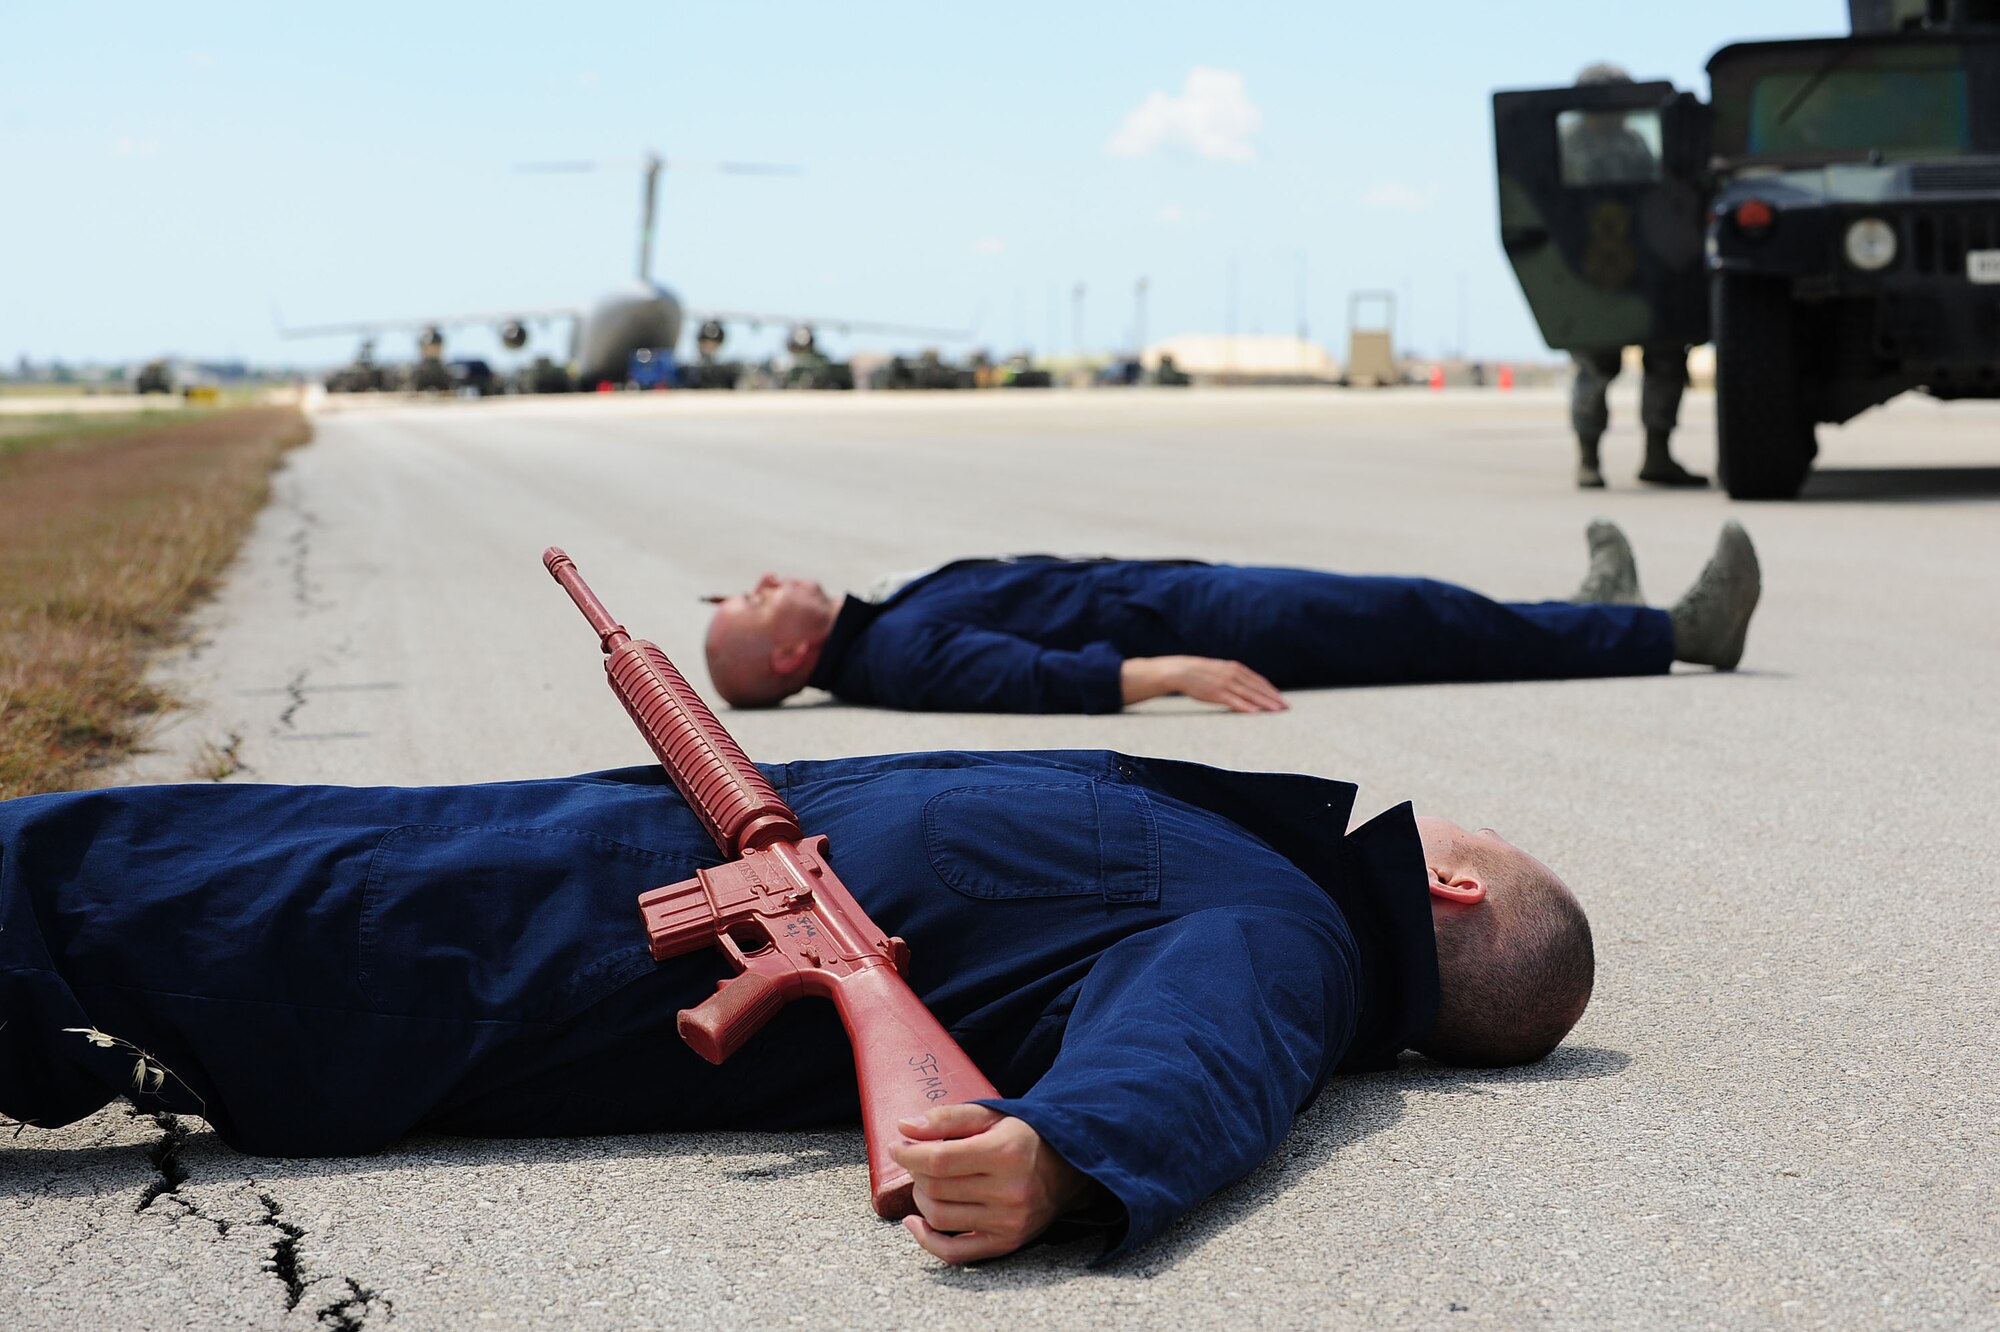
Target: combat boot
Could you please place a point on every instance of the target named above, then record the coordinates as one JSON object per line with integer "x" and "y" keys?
{"x": 1712, "y": 618}
{"x": 1660, "y": 469}
{"x": 1588, "y": 475}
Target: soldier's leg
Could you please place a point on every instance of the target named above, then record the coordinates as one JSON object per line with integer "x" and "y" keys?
{"x": 1318, "y": 630}
{"x": 1588, "y": 414}
{"x": 1659, "y": 409}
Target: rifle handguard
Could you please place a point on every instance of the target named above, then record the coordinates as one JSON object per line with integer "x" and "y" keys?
{"x": 737, "y": 806}
{"x": 734, "y": 802}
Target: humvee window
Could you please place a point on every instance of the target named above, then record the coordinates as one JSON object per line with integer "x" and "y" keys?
{"x": 1849, "y": 112}
{"x": 1609, "y": 147}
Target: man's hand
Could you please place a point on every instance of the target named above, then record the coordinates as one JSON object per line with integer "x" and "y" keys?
{"x": 986, "y": 1182}
{"x": 1208, "y": 679}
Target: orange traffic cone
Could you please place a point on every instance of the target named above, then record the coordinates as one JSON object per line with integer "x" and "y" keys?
{"x": 1506, "y": 378}
{"x": 1437, "y": 376}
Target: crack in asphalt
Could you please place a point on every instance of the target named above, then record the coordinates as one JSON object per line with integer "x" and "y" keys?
{"x": 284, "y": 1260}
{"x": 165, "y": 1154}
{"x": 350, "y": 1312}
{"x": 296, "y": 558}
{"x": 295, "y": 694}
{"x": 295, "y": 561}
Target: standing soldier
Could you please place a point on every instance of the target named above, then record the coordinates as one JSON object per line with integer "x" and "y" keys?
{"x": 1599, "y": 148}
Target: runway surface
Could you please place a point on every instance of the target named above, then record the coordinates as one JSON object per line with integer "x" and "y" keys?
{"x": 1780, "y": 1110}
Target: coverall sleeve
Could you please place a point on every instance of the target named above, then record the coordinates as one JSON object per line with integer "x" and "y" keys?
{"x": 1188, "y": 1052}
{"x": 942, "y": 667}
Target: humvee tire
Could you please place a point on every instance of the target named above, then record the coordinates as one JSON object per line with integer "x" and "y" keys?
{"x": 1763, "y": 433}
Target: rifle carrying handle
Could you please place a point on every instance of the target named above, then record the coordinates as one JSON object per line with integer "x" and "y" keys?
{"x": 717, "y": 1027}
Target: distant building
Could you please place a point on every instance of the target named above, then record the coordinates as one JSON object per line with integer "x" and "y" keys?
{"x": 1250, "y": 356}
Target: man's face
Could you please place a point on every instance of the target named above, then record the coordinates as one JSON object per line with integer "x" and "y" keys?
{"x": 781, "y": 608}
{"x": 1604, "y": 124}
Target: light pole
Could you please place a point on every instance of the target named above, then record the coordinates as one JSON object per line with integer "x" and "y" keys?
{"x": 1231, "y": 319}
{"x": 1302, "y": 310}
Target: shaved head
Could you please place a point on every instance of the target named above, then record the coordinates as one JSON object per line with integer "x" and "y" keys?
{"x": 1516, "y": 971}
{"x": 763, "y": 643}
{"x": 739, "y": 662}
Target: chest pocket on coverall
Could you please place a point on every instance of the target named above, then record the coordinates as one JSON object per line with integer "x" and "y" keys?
{"x": 504, "y": 924}
{"x": 1055, "y": 839}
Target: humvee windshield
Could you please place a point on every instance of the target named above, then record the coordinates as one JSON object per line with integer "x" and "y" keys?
{"x": 1849, "y": 111}
{"x": 1811, "y": 102}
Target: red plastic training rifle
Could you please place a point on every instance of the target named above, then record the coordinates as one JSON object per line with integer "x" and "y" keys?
{"x": 777, "y": 911}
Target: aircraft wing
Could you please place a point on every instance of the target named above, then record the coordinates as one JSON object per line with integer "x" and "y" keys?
{"x": 756, "y": 319}
{"x": 369, "y": 327}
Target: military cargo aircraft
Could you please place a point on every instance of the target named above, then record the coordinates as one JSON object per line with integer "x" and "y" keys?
{"x": 1830, "y": 219}
{"x": 642, "y": 315}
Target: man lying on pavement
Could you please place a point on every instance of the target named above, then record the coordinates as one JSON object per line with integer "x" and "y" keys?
{"x": 1158, "y": 964}
{"x": 1042, "y": 634}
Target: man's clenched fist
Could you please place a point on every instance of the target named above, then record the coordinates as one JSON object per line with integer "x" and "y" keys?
{"x": 986, "y": 1183}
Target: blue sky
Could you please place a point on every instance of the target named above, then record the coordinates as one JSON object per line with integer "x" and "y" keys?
{"x": 172, "y": 173}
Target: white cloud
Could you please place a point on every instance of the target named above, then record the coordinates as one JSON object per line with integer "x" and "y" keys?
{"x": 989, "y": 245}
{"x": 203, "y": 60}
{"x": 1395, "y": 195}
{"x": 1173, "y": 213}
{"x": 1213, "y": 117}
{"x": 135, "y": 147}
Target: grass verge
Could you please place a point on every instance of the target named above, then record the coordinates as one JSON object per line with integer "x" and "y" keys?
{"x": 107, "y": 535}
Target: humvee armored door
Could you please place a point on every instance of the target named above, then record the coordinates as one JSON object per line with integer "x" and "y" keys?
{"x": 1601, "y": 211}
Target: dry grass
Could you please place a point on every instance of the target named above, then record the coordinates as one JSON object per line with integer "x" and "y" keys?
{"x": 106, "y": 537}
{"x": 32, "y": 430}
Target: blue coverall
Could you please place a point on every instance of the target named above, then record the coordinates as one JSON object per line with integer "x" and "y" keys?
{"x": 1158, "y": 964}
{"x": 1036, "y": 634}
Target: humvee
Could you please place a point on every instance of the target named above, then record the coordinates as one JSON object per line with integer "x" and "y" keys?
{"x": 1830, "y": 219}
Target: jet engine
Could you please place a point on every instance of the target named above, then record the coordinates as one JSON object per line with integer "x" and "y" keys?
{"x": 799, "y": 342}
{"x": 708, "y": 339}
{"x": 430, "y": 343}
{"x": 513, "y": 335}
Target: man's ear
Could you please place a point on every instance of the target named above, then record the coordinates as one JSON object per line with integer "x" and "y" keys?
{"x": 787, "y": 658}
{"x": 1457, "y": 886}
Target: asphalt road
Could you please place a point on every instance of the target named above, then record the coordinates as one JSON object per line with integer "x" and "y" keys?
{"x": 1780, "y": 1110}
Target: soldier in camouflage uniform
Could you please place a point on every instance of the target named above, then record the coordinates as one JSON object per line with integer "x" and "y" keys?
{"x": 1600, "y": 149}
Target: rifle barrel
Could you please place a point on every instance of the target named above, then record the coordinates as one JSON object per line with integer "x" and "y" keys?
{"x": 563, "y": 569}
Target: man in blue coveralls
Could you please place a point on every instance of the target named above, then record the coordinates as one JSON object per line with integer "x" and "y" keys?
{"x": 1041, "y": 634}
{"x": 1158, "y": 964}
